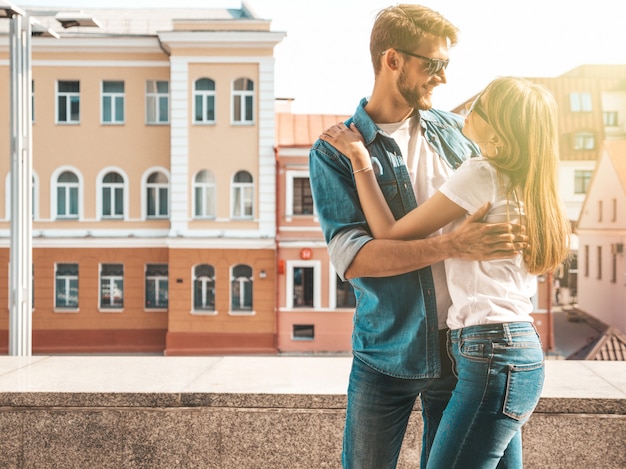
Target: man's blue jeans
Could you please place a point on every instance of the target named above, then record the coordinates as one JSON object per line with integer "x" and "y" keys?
{"x": 378, "y": 411}
{"x": 500, "y": 372}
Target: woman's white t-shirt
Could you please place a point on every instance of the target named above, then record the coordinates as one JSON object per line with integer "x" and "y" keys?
{"x": 486, "y": 292}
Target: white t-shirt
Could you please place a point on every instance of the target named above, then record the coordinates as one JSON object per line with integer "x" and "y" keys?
{"x": 428, "y": 171}
{"x": 486, "y": 292}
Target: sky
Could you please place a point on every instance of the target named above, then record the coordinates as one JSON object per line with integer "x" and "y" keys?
{"x": 323, "y": 63}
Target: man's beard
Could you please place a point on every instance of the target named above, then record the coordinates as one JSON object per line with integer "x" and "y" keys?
{"x": 412, "y": 96}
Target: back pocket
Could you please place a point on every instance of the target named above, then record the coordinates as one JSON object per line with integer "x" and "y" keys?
{"x": 523, "y": 390}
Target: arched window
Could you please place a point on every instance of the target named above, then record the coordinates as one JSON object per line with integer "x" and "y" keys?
{"x": 243, "y": 101}
{"x": 157, "y": 201}
{"x": 67, "y": 195}
{"x": 204, "y": 101}
{"x": 243, "y": 195}
{"x": 113, "y": 195}
{"x": 204, "y": 195}
{"x": 204, "y": 288}
{"x": 241, "y": 288}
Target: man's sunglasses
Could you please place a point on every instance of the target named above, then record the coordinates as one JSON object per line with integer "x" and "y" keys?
{"x": 434, "y": 65}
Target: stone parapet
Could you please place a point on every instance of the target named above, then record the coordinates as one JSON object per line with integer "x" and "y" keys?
{"x": 257, "y": 412}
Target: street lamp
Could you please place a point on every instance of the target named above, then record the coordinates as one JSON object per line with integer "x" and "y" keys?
{"x": 21, "y": 123}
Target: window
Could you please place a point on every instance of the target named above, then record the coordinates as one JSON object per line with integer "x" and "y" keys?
{"x": 66, "y": 286}
{"x": 243, "y": 195}
{"x": 68, "y": 102}
{"x": 580, "y": 102}
{"x": 610, "y": 118}
{"x": 303, "y": 287}
{"x": 204, "y": 288}
{"x": 243, "y": 101}
{"x": 67, "y": 195}
{"x": 600, "y": 210}
{"x": 584, "y": 141}
{"x": 204, "y": 195}
{"x": 614, "y": 268}
{"x": 204, "y": 101}
{"x": 241, "y": 288}
{"x": 614, "y": 217}
{"x": 599, "y": 253}
{"x": 113, "y": 196}
{"x": 157, "y": 196}
{"x": 302, "y": 196}
{"x": 344, "y": 294}
{"x": 586, "y": 260}
{"x": 156, "y": 286}
{"x": 113, "y": 102}
{"x": 157, "y": 102}
{"x": 111, "y": 286}
{"x": 303, "y": 332}
{"x": 581, "y": 181}
{"x": 32, "y": 100}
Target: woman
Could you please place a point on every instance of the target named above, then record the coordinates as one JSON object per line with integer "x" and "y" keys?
{"x": 493, "y": 344}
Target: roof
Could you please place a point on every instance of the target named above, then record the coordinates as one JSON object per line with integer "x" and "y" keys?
{"x": 302, "y": 130}
{"x": 135, "y": 21}
{"x": 610, "y": 346}
{"x": 616, "y": 151}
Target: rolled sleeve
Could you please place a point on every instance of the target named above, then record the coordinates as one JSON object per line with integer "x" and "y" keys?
{"x": 343, "y": 248}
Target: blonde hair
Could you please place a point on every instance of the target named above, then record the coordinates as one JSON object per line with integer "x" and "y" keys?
{"x": 403, "y": 26}
{"x": 524, "y": 117}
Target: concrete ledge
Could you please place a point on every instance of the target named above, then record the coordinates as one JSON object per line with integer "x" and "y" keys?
{"x": 257, "y": 412}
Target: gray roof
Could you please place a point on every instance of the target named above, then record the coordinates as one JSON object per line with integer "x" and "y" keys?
{"x": 135, "y": 21}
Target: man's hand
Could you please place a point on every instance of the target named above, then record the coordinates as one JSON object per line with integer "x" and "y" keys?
{"x": 475, "y": 240}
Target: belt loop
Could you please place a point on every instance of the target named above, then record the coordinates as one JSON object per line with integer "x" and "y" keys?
{"x": 507, "y": 333}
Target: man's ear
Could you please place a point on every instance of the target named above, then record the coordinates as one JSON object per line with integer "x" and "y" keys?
{"x": 391, "y": 59}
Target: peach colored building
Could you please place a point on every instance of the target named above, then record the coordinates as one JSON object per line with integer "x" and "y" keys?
{"x": 314, "y": 307}
{"x": 154, "y": 172}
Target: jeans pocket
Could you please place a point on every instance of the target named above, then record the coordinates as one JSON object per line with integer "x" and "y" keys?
{"x": 523, "y": 390}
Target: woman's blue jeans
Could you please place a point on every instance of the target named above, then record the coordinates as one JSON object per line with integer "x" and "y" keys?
{"x": 378, "y": 411}
{"x": 500, "y": 373}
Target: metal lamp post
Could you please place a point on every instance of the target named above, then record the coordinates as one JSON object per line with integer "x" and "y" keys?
{"x": 21, "y": 256}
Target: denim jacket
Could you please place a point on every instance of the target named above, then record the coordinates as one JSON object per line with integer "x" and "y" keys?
{"x": 395, "y": 322}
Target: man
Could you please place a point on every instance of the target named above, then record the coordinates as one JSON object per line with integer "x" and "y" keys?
{"x": 398, "y": 352}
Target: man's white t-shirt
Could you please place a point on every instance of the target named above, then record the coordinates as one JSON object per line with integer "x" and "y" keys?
{"x": 428, "y": 171}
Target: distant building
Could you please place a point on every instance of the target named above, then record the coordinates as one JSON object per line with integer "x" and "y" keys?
{"x": 602, "y": 234}
{"x": 154, "y": 174}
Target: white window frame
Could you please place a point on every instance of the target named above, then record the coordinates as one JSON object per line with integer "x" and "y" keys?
{"x": 580, "y": 102}
{"x": 290, "y": 177}
{"x": 332, "y": 290}
{"x": 242, "y": 96}
{"x": 157, "y": 187}
{"x": 240, "y": 312}
{"x": 68, "y": 95}
{"x": 209, "y": 211}
{"x": 99, "y": 193}
{"x": 158, "y": 279}
{"x": 194, "y": 310}
{"x": 242, "y": 192}
{"x": 584, "y": 141}
{"x": 116, "y": 98}
{"x": 111, "y": 280}
{"x": 154, "y": 98}
{"x": 205, "y": 96}
{"x": 317, "y": 287}
{"x": 67, "y": 281}
{"x": 54, "y": 195}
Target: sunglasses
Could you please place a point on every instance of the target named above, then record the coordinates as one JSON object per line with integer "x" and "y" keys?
{"x": 434, "y": 65}
{"x": 476, "y": 107}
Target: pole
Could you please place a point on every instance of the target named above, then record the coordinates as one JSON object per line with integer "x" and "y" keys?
{"x": 20, "y": 268}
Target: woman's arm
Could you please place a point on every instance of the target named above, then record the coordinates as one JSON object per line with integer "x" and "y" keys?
{"x": 436, "y": 212}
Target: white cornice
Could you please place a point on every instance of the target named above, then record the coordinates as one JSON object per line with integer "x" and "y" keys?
{"x": 220, "y": 39}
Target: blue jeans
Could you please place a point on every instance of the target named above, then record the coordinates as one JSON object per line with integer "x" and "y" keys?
{"x": 378, "y": 411}
{"x": 500, "y": 372}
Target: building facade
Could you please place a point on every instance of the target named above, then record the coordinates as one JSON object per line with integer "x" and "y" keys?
{"x": 153, "y": 184}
